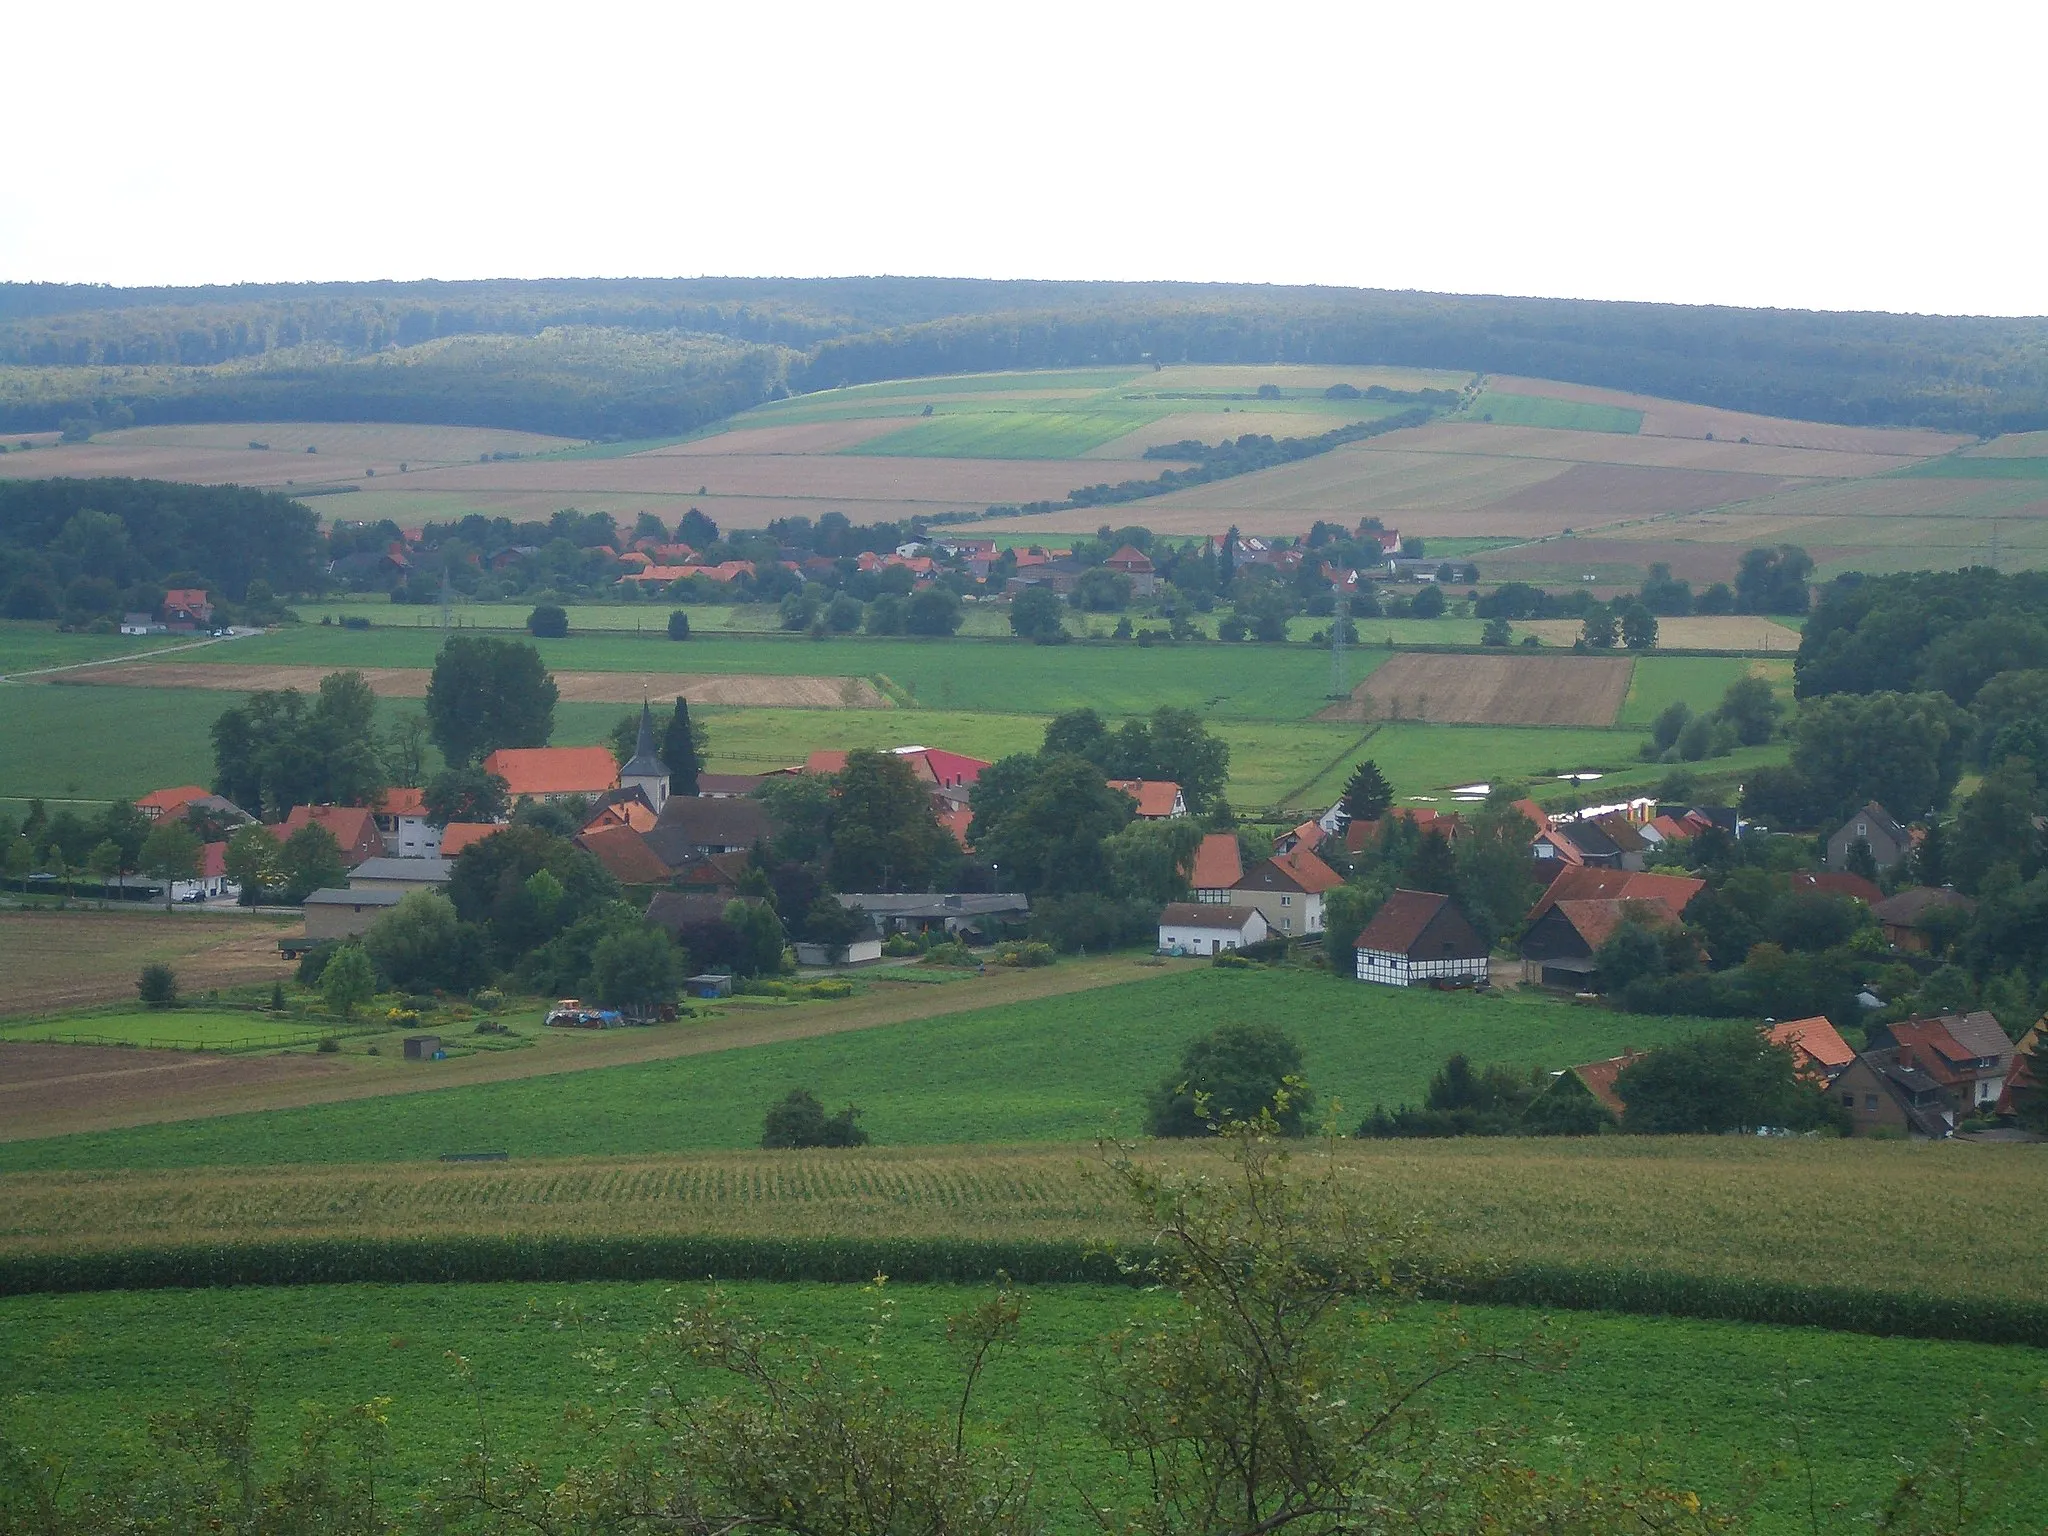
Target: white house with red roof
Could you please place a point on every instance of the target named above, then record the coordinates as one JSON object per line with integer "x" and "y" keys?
{"x": 1157, "y": 799}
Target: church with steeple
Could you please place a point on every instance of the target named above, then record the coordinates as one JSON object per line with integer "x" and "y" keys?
{"x": 645, "y": 771}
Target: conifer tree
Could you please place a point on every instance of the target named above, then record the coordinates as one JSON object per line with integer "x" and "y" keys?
{"x": 1368, "y": 795}
{"x": 679, "y": 751}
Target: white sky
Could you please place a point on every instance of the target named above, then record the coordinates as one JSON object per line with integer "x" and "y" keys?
{"x": 1830, "y": 156}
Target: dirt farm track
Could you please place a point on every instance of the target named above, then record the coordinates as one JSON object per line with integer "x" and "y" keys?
{"x": 1491, "y": 690}
{"x": 576, "y": 687}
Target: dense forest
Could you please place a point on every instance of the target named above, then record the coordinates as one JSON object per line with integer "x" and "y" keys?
{"x": 86, "y": 550}
{"x": 627, "y": 358}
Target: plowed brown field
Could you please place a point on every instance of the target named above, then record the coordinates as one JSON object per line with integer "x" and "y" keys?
{"x": 55, "y": 960}
{"x": 1491, "y": 690}
{"x": 576, "y": 687}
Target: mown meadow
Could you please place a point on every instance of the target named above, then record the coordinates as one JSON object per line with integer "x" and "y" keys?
{"x": 1713, "y": 1403}
{"x": 1058, "y": 1069}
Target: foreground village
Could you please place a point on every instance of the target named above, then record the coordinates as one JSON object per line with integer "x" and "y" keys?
{"x": 706, "y": 859}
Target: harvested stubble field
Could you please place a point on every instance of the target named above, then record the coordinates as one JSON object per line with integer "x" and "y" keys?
{"x": 220, "y": 454}
{"x": 50, "y": 961}
{"x": 1677, "y": 418}
{"x": 1710, "y": 1206}
{"x": 1464, "y": 435}
{"x": 741, "y": 690}
{"x": 1717, "y": 632}
{"x": 1491, "y": 690}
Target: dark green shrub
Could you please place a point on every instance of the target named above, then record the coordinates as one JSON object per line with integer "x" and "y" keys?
{"x": 158, "y": 986}
{"x": 800, "y": 1121}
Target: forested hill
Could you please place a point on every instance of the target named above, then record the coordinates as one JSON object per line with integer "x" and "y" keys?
{"x": 639, "y": 357}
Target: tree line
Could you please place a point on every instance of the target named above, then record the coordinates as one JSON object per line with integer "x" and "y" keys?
{"x": 241, "y": 353}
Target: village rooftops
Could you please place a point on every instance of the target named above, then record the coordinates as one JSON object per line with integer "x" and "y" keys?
{"x": 1219, "y": 862}
{"x": 1581, "y": 883}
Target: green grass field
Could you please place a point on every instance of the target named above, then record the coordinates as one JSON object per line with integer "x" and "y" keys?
{"x": 180, "y": 1028}
{"x": 1540, "y": 411}
{"x": 29, "y": 644}
{"x": 1711, "y": 1394}
{"x": 1660, "y": 681}
{"x": 108, "y": 743}
{"x": 1059, "y": 1069}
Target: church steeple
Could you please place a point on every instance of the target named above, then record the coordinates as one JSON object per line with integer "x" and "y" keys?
{"x": 646, "y": 769}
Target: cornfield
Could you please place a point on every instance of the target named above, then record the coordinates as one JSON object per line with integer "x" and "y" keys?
{"x": 1847, "y": 1235}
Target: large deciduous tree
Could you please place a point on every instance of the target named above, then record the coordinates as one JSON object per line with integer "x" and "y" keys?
{"x": 1236, "y": 1072}
{"x": 885, "y": 832}
{"x": 485, "y": 694}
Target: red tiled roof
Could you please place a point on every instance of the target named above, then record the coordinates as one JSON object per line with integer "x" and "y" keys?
{"x": 825, "y": 762}
{"x": 1599, "y": 1076}
{"x": 458, "y": 835}
{"x": 1306, "y": 870}
{"x": 952, "y": 768}
{"x": 1598, "y": 917}
{"x": 402, "y": 802}
{"x": 554, "y": 770}
{"x": 213, "y": 861}
{"x": 1358, "y": 834}
{"x": 1155, "y": 797}
{"x": 624, "y": 852}
{"x": 1583, "y": 883}
{"x": 1129, "y": 559}
{"x": 1816, "y": 1039}
{"x": 352, "y": 827}
{"x": 1538, "y": 821}
{"x": 1219, "y": 863}
{"x": 168, "y": 800}
{"x": 1400, "y": 921}
{"x": 1837, "y": 884}
{"x": 956, "y": 820}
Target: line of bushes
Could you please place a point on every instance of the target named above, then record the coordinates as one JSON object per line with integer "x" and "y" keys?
{"x": 459, "y": 1259}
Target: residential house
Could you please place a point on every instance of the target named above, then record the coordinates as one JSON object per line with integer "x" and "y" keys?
{"x": 2023, "y": 1081}
{"x": 1421, "y": 939}
{"x": 1885, "y": 1095}
{"x": 1309, "y": 834}
{"x": 1966, "y": 1055}
{"x": 403, "y": 823}
{"x": 1631, "y": 846}
{"x": 554, "y": 773}
{"x": 142, "y": 624}
{"x": 400, "y": 874}
{"x": 1596, "y": 1080}
{"x": 1578, "y": 883}
{"x": 1138, "y": 566}
{"x": 159, "y": 803}
{"x": 346, "y": 914}
{"x": 624, "y": 853}
{"x": 1197, "y": 928}
{"x": 458, "y": 835}
{"x": 352, "y": 827}
{"x": 691, "y": 828}
{"x": 1586, "y": 843}
{"x": 1872, "y": 826}
{"x": 1802, "y": 882}
{"x": 211, "y": 883}
{"x": 186, "y": 608}
{"x": 1904, "y": 916}
{"x": 1361, "y": 835}
{"x": 1818, "y": 1050}
{"x": 1583, "y": 906}
{"x": 1157, "y": 799}
{"x": 1218, "y": 866}
{"x": 1288, "y": 889}
{"x": 952, "y": 913}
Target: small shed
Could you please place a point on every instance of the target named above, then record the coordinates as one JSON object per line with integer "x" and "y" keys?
{"x": 334, "y": 914}
{"x": 1201, "y": 928}
{"x": 710, "y": 984}
{"x": 423, "y": 1048}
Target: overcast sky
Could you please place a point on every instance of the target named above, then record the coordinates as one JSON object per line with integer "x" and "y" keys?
{"x": 1852, "y": 156}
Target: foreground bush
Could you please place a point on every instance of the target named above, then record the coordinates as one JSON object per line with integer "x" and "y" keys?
{"x": 157, "y": 986}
